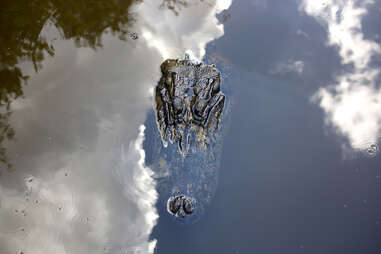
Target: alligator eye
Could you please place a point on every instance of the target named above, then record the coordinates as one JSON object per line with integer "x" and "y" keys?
{"x": 200, "y": 107}
{"x": 168, "y": 80}
{"x": 216, "y": 86}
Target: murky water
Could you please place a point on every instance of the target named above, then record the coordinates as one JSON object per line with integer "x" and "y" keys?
{"x": 296, "y": 168}
{"x": 77, "y": 82}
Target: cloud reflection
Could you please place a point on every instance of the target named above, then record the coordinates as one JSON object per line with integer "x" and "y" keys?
{"x": 172, "y": 35}
{"x": 80, "y": 184}
{"x": 352, "y": 104}
{"x": 77, "y": 139}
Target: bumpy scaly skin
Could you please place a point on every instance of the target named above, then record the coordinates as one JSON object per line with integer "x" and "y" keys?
{"x": 189, "y": 103}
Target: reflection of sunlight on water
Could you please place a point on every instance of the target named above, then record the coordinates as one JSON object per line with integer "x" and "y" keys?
{"x": 159, "y": 45}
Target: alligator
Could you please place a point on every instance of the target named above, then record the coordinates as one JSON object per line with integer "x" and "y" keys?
{"x": 189, "y": 106}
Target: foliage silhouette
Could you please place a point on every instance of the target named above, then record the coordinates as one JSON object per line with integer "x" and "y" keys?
{"x": 21, "y": 23}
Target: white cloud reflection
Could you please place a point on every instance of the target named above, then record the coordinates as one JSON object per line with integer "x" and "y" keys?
{"x": 172, "y": 35}
{"x": 80, "y": 184}
{"x": 288, "y": 67}
{"x": 353, "y": 104}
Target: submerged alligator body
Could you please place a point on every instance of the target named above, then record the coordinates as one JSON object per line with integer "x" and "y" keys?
{"x": 189, "y": 106}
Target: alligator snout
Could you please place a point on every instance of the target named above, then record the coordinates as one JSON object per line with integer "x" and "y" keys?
{"x": 181, "y": 206}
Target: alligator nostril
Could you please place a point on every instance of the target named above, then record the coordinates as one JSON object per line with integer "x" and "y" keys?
{"x": 181, "y": 206}
{"x": 174, "y": 204}
{"x": 188, "y": 206}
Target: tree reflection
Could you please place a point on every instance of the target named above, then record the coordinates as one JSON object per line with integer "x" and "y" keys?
{"x": 21, "y": 23}
{"x": 176, "y": 5}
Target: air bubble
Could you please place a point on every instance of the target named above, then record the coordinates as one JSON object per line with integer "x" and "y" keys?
{"x": 372, "y": 150}
{"x": 134, "y": 36}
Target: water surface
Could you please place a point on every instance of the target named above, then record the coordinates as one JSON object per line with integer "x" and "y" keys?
{"x": 77, "y": 126}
